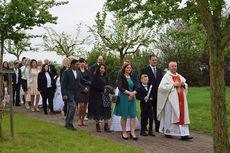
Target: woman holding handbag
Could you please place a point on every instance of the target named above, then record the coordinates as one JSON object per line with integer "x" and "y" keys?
{"x": 82, "y": 97}
{"x": 96, "y": 109}
{"x": 127, "y": 106}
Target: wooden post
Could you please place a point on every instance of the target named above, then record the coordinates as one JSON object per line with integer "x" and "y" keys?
{"x": 9, "y": 72}
{"x": 11, "y": 104}
{"x": 1, "y": 104}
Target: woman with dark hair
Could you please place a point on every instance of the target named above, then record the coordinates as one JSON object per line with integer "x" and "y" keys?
{"x": 46, "y": 86}
{"x": 32, "y": 84}
{"x": 127, "y": 106}
{"x": 82, "y": 97}
{"x": 5, "y": 66}
{"x": 96, "y": 109}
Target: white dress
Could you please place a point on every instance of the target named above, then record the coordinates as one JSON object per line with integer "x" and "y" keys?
{"x": 58, "y": 102}
{"x": 116, "y": 121}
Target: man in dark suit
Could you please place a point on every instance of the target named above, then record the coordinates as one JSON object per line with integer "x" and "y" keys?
{"x": 100, "y": 60}
{"x": 52, "y": 69}
{"x": 155, "y": 75}
{"x": 16, "y": 78}
{"x": 70, "y": 84}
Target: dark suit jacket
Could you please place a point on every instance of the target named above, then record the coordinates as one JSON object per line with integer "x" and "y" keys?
{"x": 42, "y": 82}
{"x": 21, "y": 64}
{"x": 152, "y": 80}
{"x": 52, "y": 71}
{"x": 61, "y": 72}
{"x": 123, "y": 83}
{"x": 69, "y": 83}
{"x": 141, "y": 93}
{"x": 92, "y": 69}
{"x": 19, "y": 77}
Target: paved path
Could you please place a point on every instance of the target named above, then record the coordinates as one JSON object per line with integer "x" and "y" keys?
{"x": 201, "y": 143}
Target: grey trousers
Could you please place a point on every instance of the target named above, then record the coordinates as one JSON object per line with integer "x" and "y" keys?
{"x": 71, "y": 108}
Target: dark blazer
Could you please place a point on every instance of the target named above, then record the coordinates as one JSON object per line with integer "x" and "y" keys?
{"x": 92, "y": 69}
{"x": 123, "y": 85}
{"x": 69, "y": 83}
{"x": 21, "y": 64}
{"x": 52, "y": 71}
{"x": 142, "y": 93}
{"x": 61, "y": 72}
{"x": 19, "y": 77}
{"x": 42, "y": 82}
{"x": 152, "y": 80}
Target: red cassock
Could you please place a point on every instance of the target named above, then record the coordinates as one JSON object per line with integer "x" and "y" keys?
{"x": 181, "y": 100}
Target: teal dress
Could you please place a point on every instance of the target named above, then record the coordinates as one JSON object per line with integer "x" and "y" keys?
{"x": 126, "y": 108}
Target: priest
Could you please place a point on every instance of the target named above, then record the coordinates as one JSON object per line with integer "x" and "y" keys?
{"x": 172, "y": 108}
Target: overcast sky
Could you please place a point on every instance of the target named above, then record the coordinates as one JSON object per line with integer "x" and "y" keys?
{"x": 69, "y": 16}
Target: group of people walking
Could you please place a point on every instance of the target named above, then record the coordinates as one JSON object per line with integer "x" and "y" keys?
{"x": 162, "y": 98}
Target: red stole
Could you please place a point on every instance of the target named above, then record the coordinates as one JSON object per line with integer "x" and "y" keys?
{"x": 181, "y": 100}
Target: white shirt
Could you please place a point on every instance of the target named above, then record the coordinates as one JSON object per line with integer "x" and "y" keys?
{"x": 23, "y": 71}
{"x": 48, "y": 80}
{"x": 154, "y": 68}
{"x": 145, "y": 86}
{"x": 74, "y": 73}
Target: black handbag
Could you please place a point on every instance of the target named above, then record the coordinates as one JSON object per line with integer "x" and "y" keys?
{"x": 116, "y": 99}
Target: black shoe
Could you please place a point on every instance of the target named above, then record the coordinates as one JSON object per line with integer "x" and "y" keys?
{"x": 125, "y": 138}
{"x": 45, "y": 113}
{"x": 184, "y": 138}
{"x": 71, "y": 128}
{"x": 143, "y": 133}
{"x": 168, "y": 136}
{"x": 151, "y": 133}
{"x": 134, "y": 138}
{"x": 18, "y": 104}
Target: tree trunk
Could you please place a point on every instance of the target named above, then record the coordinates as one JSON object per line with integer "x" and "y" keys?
{"x": 1, "y": 87}
{"x": 218, "y": 101}
{"x": 1, "y": 55}
{"x": 122, "y": 56}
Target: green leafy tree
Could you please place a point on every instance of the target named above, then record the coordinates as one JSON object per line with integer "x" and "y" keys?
{"x": 119, "y": 38}
{"x": 211, "y": 15}
{"x": 19, "y": 15}
{"x": 63, "y": 44}
{"x": 188, "y": 46}
{"x": 17, "y": 47}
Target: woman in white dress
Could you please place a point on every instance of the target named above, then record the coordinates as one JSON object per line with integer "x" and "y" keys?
{"x": 58, "y": 102}
{"x": 32, "y": 84}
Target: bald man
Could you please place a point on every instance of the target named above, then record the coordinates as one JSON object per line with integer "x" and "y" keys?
{"x": 172, "y": 106}
{"x": 100, "y": 60}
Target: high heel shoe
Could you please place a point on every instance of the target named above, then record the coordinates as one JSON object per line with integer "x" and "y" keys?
{"x": 125, "y": 138}
{"x": 134, "y": 138}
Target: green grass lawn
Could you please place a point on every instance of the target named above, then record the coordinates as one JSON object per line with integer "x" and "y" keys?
{"x": 35, "y": 136}
{"x": 199, "y": 109}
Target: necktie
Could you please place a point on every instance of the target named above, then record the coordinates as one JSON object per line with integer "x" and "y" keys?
{"x": 154, "y": 72}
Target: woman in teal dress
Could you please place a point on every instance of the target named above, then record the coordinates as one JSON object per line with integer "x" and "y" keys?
{"x": 127, "y": 106}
